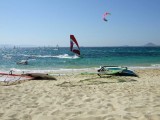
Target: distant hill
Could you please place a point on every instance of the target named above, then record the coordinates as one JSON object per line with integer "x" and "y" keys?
{"x": 150, "y": 44}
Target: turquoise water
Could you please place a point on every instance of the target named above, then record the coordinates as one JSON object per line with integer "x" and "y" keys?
{"x": 46, "y": 58}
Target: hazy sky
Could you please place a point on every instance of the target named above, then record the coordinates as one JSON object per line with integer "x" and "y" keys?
{"x": 50, "y": 22}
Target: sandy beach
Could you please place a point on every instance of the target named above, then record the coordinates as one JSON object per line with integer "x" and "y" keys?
{"x": 84, "y": 97}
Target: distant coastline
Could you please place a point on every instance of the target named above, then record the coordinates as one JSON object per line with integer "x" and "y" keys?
{"x": 150, "y": 44}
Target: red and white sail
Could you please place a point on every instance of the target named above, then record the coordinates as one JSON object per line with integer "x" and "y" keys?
{"x": 74, "y": 47}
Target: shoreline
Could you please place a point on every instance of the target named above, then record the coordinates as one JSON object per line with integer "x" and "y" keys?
{"x": 85, "y": 97}
{"x": 93, "y": 69}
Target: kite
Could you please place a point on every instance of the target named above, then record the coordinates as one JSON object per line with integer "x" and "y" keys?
{"x": 104, "y": 16}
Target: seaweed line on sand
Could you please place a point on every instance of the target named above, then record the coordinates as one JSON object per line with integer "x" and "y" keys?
{"x": 96, "y": 81}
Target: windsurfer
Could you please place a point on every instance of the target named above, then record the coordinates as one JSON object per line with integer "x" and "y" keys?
{"x": 72, "y": 42}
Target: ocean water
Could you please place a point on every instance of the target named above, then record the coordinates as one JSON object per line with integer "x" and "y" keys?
{"x": 47, "y": 58}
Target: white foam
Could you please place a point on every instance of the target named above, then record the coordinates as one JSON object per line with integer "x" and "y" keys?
{"x": 145, "y": 67}
{"x": 66, "y": 56}
{"x": 155, "y": 65}
{"x": 60, "y": 70}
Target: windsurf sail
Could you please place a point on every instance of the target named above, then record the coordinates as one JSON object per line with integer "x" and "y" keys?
{"x": 116, "y": 70}
{"x": 9, "y": 77}
{"x": 57, "y": 47}
{"x": 74, "y": 47}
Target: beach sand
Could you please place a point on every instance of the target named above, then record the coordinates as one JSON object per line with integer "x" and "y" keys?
{"x": 84, "y": 97}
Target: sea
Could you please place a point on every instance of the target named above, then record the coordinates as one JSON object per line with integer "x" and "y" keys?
{"x": 50, "y": 59}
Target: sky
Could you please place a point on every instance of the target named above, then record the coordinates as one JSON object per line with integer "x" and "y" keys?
{"x": 50, "y": 22}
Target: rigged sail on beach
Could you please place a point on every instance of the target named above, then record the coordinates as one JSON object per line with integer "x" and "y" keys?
{"x": 9, "y": 77}
{"x": 74, "y": 47}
